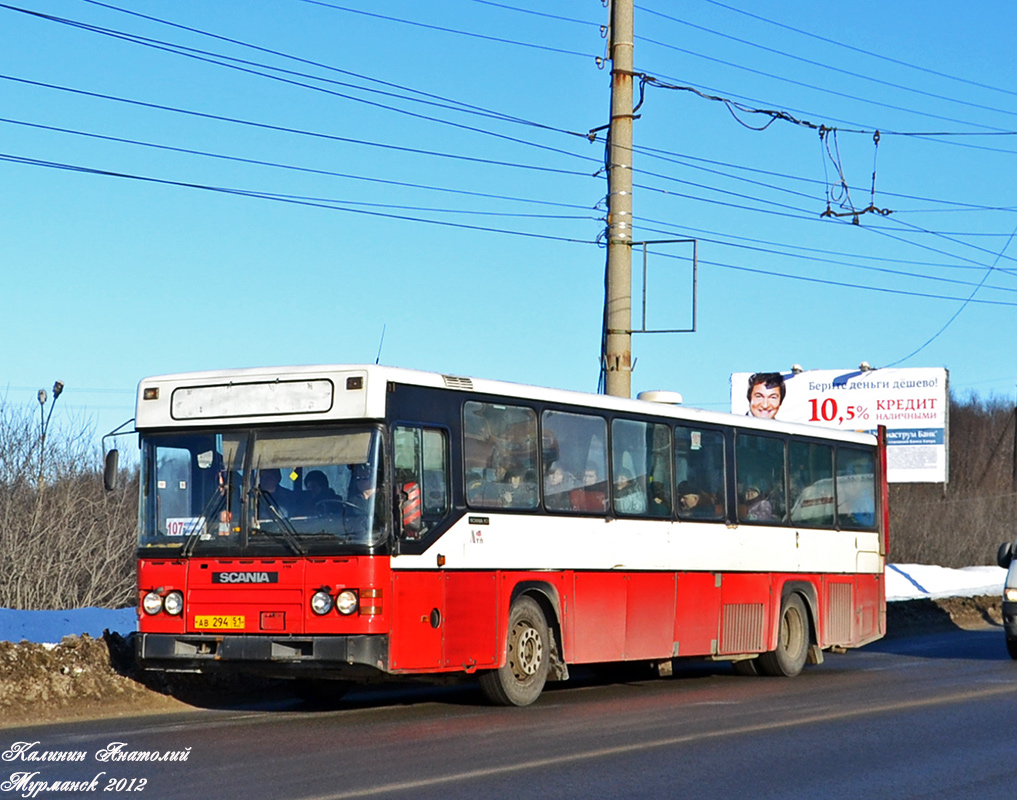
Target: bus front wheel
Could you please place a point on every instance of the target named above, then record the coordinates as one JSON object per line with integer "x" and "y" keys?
{"x": 792, "y": 642}
{"x": 520, "y": 681}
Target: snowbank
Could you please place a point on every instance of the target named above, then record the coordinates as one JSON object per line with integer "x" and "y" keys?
{"x": 903, "y": 582}
{"x": 52, "y": 626}
{"x": 911, "y": 581}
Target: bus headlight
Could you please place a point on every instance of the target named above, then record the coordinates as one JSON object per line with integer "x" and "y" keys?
{"x": 152, "y": 603}
{"x": 346, "y": 602}
{"x": 321, "y": 602}
{"x": 1010, "y": 594}
{"x": 173, "y": 603}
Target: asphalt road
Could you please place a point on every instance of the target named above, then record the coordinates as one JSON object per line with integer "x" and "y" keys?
{"x": 927, "y": 716}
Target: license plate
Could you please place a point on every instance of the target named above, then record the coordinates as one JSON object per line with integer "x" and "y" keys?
{"x": 214, "y": 622}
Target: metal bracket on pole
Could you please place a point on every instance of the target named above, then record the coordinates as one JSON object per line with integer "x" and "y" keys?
{"x": 695, "y": 271}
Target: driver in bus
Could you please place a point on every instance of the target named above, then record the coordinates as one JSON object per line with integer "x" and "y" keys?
{"x": 317, "y": 491}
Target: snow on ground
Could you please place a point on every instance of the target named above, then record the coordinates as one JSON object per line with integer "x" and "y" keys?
{"x": 52, "y": 626}
{"x": 903, "y": 582}
{"x": 912, "y": 581}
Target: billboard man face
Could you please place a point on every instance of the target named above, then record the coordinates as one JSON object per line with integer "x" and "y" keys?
{"x": 764, "y": 402}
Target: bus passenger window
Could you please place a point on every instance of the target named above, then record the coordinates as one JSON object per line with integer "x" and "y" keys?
{"x": 641, "y": 464}
{"x": 574, "y": 455}
{"x": 759, "y": 471}
{"x": 810, "y": 491}
{"x": 856, "y": 488}
{"x": 500, "y": 455}
{"x": 699, "y": 471}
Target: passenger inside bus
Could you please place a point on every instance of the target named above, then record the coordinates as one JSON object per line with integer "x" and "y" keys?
{"x": 519, "y": 490}
{"x": 695, "y": 503}
{"x": 758, "y": 507}
{"x": 272, "y": 498}
{"x": 362, "y": 489}
{"x": 629, "y": 497}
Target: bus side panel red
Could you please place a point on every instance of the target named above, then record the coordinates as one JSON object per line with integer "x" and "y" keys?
{"x": 471, "y": 620}
{"x": 649, "y": 615}
{"x": 596, "y": 629}
{"x": 697, "y": 613}
{"x": 854, "y": 610}
{"x": 746, "y": 613}
{"x": 418, "y": 611}
{"x": 871, "y": 608}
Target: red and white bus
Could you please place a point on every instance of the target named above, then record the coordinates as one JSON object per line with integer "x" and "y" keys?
{"x": 349, "y": 523}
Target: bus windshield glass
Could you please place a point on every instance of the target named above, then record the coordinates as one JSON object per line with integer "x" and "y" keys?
{"x": 263, "y": 492}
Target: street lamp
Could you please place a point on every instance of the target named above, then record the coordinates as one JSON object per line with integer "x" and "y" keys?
{"x": 44, "y": 419}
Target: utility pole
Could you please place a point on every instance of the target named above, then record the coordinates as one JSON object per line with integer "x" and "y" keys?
{"x": 617, "y": 355}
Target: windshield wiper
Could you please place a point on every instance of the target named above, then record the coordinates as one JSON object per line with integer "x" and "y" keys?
{"x": 288, "y": 533}
{"x": 214, "y": 503}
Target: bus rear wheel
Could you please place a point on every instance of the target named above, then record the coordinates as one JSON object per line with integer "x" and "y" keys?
{"x": 527, "y": 658}
{"x": 792, "y": 642}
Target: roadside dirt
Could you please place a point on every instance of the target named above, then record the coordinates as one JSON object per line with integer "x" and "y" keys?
{"x": 85, "y": 678}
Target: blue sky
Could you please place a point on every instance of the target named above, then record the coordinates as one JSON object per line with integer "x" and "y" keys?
{"x": 164, "y": 212}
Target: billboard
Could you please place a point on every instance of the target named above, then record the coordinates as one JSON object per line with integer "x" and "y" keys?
{"x": 912, "y": 404}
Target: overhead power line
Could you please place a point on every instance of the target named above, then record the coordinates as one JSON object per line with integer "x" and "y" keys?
{"x": 957, "y": 313}
{"x": 495, "y": 115}
{"x": 291, "y": 167}
{"x": 421, "y": 96}
{"x": 284, "y": 129}
{"x": 333, "y": 205}
{"x": 834, "y": 92}
{"x": 539, "y": 13}
{"x": 671, "y": 231}
{"x": 484, "y": 37}
{"x": 844, "y": 284}
{"x": 941, "y": 137}
{"x": 254, "y": 68}
{"x": 845, "y": 45}
{"x": 830, "y": 67}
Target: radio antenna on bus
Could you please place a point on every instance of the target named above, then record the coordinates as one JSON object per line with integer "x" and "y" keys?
{"x": 378, "y": 359}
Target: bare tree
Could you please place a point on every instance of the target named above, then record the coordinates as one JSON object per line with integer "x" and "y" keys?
{"x": 962, "y": 523}
{"x": 64, "y": 542}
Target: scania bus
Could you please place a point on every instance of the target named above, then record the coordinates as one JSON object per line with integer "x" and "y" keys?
{"x": 349, "y": 523}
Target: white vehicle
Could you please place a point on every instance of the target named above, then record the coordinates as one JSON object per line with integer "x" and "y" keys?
{"x": 1005, "y": 558}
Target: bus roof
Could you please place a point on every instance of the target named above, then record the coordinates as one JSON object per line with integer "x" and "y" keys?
{"x": 358, "y": 391}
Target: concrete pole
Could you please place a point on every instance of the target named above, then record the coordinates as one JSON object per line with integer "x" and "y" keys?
{"x": 618, "y": 342}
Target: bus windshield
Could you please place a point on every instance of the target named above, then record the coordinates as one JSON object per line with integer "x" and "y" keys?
{"x": 263, "y": 492}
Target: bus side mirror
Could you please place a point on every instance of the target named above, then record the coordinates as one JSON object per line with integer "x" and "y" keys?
{"x": 109, "y": 470}
{"x": 1004, "y": 555}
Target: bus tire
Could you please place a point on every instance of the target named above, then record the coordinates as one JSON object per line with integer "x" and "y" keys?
{"x": 1011, "y": 648}
{"x": 792, "y": 641}
{"x": 747, "y": 667}
{"x": 527, "y": 658}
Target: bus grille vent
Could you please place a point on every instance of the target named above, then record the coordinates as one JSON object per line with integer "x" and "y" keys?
{"x": 838, "y": 621}
{"x": 743, "y": 628}
{"x": 455, "y": 382}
